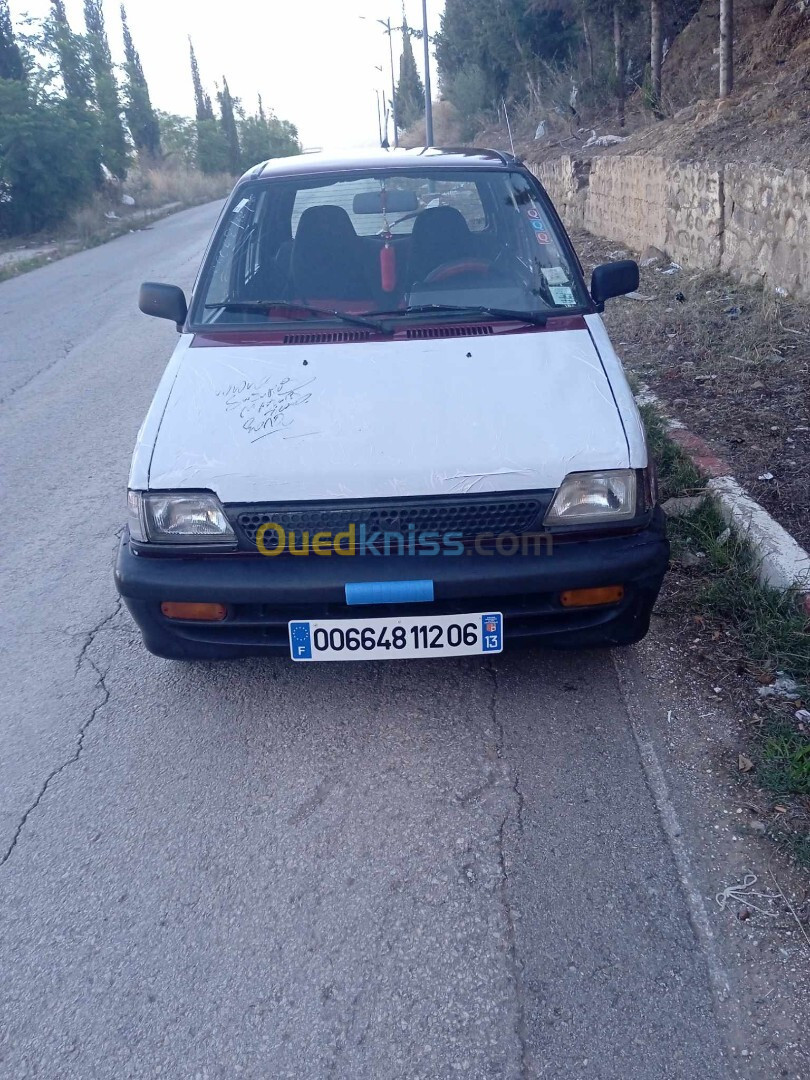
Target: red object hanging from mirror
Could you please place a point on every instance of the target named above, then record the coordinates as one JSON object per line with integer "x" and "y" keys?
{"x": 388, "y": 266}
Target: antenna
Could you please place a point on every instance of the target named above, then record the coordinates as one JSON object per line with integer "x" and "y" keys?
{"x": 508, "y": 125}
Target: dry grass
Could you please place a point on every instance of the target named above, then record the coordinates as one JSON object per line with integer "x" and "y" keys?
{"x": 157, "y": 186}
{"x": 754, "y": 630}
{"x": 157, "y": 190}
{"x": 152, "y": 189}
{"x": 731, "y": 361}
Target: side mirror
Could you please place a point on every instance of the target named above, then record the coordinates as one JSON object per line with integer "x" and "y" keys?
{"x": 164, "y": 302}
{"x": 613, "y": 279}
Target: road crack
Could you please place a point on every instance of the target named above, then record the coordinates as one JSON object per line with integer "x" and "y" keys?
{"x": 515, "y": 967}
{"x": 67, "y": 349}
{"x": 514, "y": 964}
{"x": 100, "y": 684}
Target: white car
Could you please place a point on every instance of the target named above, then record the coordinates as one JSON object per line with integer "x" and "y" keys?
{"x": 393, "y": 426}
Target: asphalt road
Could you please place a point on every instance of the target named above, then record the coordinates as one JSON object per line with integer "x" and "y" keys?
{"x": 257, "y": 869}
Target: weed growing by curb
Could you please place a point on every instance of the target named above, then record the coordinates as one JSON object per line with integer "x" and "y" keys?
{"x": 676, "y": 473}
{"x": 769, "y": 625}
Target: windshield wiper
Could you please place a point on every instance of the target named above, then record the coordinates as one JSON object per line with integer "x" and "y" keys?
{"x": 248, "y": 306}
{"x": 535, "y": 317}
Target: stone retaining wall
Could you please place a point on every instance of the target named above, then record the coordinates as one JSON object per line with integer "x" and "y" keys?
{"x": 750, "y": 220}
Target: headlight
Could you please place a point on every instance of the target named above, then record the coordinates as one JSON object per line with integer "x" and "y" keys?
{"x": 196, "y": 518}
{"x": 590, "y": 498}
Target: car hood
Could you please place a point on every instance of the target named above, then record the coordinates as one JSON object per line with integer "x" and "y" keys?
{"x": 506, "y": 412}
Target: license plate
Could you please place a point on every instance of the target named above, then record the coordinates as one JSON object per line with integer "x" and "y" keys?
{"x": 409, "y": 638}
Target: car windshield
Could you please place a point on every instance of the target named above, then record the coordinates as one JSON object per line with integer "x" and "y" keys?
{"x": 404, "y": 244}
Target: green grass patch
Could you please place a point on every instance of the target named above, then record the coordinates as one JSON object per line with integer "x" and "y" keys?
{"x": 784, "y": 765}
{"x": 769, "y": 625}
{"x": 676, "y": 473}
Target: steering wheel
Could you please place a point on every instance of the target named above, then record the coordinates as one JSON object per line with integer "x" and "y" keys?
{"x": 458, "y": 267}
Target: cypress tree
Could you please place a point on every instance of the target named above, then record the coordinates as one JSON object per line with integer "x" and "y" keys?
{"x": 72, "y": 64}
{"x": 212, "y": 149}
{"x": 108, "y": 102}
{"x": 410, "y": 91}
{"x": 141, "y": 117}
{"x": 229, "y": 129}
{"x": 11, "y": 61}
{"x": 202, "y": 101}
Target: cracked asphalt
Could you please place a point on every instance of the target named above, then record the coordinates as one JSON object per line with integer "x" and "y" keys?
{"x": 259, "y": 869}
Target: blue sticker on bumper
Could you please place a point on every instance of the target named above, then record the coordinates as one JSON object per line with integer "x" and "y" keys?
{"x": 389, "y": 592}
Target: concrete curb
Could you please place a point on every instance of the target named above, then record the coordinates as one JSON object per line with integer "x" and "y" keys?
{"x": 782, "y": 562}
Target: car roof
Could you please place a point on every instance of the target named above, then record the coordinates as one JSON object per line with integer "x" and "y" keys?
{"x": 422, "y": 157}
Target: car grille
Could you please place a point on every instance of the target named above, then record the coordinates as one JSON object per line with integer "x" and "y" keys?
{"x": 468, "y": 515}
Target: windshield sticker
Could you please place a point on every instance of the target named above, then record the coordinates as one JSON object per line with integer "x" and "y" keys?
{"x": 538, "y": 225}
{"x": 533, "y": 213}
{"x": 542, "y": 238}
{"x": 240, "y": 206}
{"x": 555, "y": 275}
{"x": 561, "y": 294}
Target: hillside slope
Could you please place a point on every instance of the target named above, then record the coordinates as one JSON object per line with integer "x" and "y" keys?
{"x": 768, "y": 117}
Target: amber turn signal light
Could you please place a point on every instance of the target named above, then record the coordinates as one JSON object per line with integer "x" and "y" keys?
{"x": 605, "y": 594}
{"x": 194, "y": 612}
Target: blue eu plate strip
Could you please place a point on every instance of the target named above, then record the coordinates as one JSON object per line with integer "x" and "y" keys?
{"x": 491, "y": 633}
{"x": 300, "y": 641}
{"x": 389, "y": 592}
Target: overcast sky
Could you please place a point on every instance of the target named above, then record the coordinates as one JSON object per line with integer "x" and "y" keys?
{"x": 313, "y": 61}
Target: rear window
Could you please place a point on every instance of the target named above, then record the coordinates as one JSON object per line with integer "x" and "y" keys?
{"x": 463, "y": 196}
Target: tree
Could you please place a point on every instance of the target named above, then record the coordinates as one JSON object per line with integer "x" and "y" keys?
{"x": 508, "y": 43}
{"x": 212, "y": 149}
{"x": 726, "y": 47}
{"x": 229, "y": 129}
{"x": 178, "y": 137}
{"x": 34, "y": 135}
{"x": 113, "y": 136}
{"x": 264, "y": 136}
{"x": 69, "y": 48}
{"x": 410, "y": 93}
{"x": 618, "y": 58}
{"x": 656, "y": 54}
{"x": 202, "y": 101}
{"x": 11, "y": 60}
{"x": 141, "y": 117}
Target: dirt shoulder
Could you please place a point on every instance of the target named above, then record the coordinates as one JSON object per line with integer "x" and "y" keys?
{"x": 732, "y": 362}
{"x": 29, "y": 254}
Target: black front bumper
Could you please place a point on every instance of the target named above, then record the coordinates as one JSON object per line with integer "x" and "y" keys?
{"x": 263, "y": 594}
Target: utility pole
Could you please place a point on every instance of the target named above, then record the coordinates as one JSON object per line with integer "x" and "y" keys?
{"x": 428, "y": 101}
{"x": 387, "y": 24}
{"x": 379, "y": 117}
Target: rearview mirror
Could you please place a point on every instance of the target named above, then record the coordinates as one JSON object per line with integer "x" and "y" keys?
{"x": 164, "y": 302}
{"x": 613, "y": 279}
{"x": 397, "y": 201}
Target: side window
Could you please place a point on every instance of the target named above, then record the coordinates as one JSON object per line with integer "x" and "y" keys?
{"x": 239, "y": 255}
